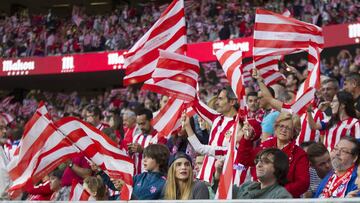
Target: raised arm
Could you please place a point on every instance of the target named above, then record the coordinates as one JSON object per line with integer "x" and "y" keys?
{"x": 274, "y": 103}
{"x": 313, "y": 125}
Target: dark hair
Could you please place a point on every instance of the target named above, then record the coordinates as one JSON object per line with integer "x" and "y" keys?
{"x": 143, "y": 111}
{"x": 356, "y": 150}
{"x": 179, "y": 155}
{"x": 252, "y": 94}
{"x": 333, "y": 80}
{"x": 57, "y": 173}
{"x": 160, "y": 153}
{"x": 347, "y": 99}
{"x": 95, "y": 110}
{"x": 316, "y": 149}
{"x": 281, "y": 163}
{"x": 306, "y": 144}
{"x": 355, "y": 77}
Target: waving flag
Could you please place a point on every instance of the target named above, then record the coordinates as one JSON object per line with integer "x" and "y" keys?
{"x": 78, "y": 193}
{"x": 168, "y": 33}
{"x": 100, "y": 149}
{"x": 41, "y": 150}
{"x": 275, "y": 34}
{"x": 227, "y": 176}
{"x": 175, "y": 75}
{"x": 231, "y": 63}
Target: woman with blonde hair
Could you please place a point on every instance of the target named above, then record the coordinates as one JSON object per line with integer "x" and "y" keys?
{"x": 180, "y": 183}
{"x": 283, "y": 139}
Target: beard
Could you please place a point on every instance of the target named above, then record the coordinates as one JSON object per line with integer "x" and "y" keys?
{"x": 338, "y": 165}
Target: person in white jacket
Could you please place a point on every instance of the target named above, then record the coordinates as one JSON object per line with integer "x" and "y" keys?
{"x": 4, "y": 175}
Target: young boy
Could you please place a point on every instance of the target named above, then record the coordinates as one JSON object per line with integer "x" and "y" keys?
{"x": 148, "y": 185}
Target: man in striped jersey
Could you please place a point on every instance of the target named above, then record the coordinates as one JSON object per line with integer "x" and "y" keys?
{"x": 222, "y": 121}
{"x": 147, "y": 136}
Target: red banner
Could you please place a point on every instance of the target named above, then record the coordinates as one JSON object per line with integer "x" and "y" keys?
{"x": 76, "y": 63}
{"x": 335, "y": 35}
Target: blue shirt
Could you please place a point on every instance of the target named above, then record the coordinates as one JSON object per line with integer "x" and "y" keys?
{"x": 148, "y": 186}
{"x": 267, "y": 124}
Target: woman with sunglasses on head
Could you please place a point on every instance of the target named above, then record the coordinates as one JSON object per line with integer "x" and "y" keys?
{"x": 180, "y": 183}
{"x": 342, "y": 123}
{"x": 283, "y": 139}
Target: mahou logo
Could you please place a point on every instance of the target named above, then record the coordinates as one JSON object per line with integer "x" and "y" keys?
{"x": 243, "y": 46}
{"x": 67, "y": 64}
{"x": 18, "y": 67}
{"x": 116, "y": 60}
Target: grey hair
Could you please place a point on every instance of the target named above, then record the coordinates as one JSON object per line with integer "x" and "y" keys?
{"x": 129, "y": 113}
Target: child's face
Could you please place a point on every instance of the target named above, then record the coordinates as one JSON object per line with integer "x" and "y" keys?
{"x": 150, "y": 164}
{"x": 55, "y": 183}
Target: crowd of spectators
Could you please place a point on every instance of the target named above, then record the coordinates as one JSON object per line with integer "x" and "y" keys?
{"x": 26, "y": 34}
{"x": 269, "y": 151}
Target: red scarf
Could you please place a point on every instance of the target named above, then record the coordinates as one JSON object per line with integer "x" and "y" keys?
{"x": 337, "y": 184}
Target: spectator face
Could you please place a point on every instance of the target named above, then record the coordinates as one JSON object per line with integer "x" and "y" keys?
{"x": 92, "y": 119}
{"x": 322, "y": 165}
{"x": 335, "y": 105}
{"x": 342, "y": 157}
{"x": 329, "y": 90}
{"x": 55, "y": 183}
{"x": 265, "y": 168}
{"x": 128, "y": 121}
{"x": 349, "y": 86}
{"x": 253, "y": 103}
{"x": 290, "y": 81}
{"x": 143, "y": 124}
{"x": 284, "y": 130}
{"x": 222, "y": 103}
{"x": 150, "y": 164}
{"x": 182, "y": 169}
{"x": 163, "y": 101}
{"x": 198, "y": 163}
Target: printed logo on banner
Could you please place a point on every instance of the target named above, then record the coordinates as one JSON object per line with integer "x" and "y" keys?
{"x": 354, "y": 31}
{"x": 18, "y": 67}
{"x": 67, "y": 64}
{"x": 243, "y": 46}
{"x": 116, "y": 60}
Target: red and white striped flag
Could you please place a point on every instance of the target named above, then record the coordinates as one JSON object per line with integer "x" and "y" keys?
{"x": 306, "y": 92}
{"x": 175, "y": 75}
{"x": 168, "y": 33}
{"x": 227, "y": 176}
{"x": 41, "y": 150}
{"x": 268, "y": 69}
{"x": 78, "y": 193}
{"x": 100, "y": 149}
{"x": 167, "y": 120}
{"x": 276, "y": 35}
{"x": 231, "y": 63}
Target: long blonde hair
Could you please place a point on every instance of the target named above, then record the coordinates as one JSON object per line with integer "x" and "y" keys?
{"x": 172, "y": 189}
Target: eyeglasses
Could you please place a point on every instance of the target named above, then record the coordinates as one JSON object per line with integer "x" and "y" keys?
{"x": 263, "y": 161}
{"x": 284, "y": 127}
{"x": 342, "y": 151}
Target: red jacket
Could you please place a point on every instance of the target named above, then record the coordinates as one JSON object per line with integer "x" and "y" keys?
{"x": 298, "y": 175}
